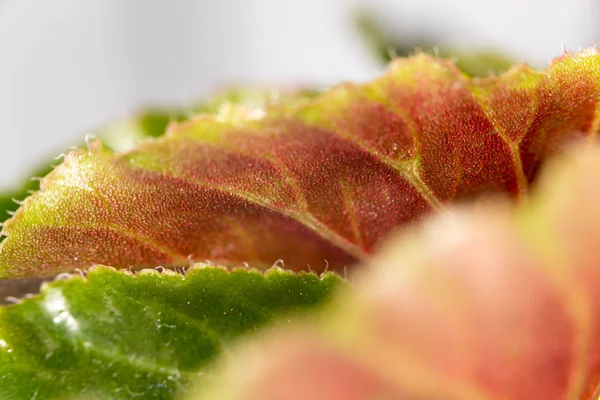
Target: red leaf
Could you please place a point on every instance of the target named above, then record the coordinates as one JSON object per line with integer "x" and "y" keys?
{"x": 310, "y": 184}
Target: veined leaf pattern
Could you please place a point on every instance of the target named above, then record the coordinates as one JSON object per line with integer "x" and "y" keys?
{"x": 316, "y": 185}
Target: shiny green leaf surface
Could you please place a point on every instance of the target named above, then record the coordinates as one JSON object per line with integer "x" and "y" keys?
{"x": 116, "y": 335}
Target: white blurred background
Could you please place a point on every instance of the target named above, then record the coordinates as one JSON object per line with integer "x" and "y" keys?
{"x": 70, "y": 66}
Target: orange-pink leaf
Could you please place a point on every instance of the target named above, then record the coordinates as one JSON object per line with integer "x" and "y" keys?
{"x": 482, "y": 303}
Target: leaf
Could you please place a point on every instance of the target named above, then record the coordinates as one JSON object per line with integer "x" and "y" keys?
{"x": 9, "y": 202}
{"x": 126, "y": 135}
{"x": 313, "y": 184}
{"x": 153, "y": 122}
{"x": 117, "y": 335}
{"x": 385, "y": 47}
{"x": 255, "y": 97}
{"x": 118, "y": 137}
{"x": 481, "y": 303}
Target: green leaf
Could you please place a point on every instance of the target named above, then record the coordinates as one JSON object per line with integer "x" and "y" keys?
{"x": 119, "y": 335}
{"x": 385, "y": 46}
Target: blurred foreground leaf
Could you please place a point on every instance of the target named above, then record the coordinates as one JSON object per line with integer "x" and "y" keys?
{"x": 481, "y": 302}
